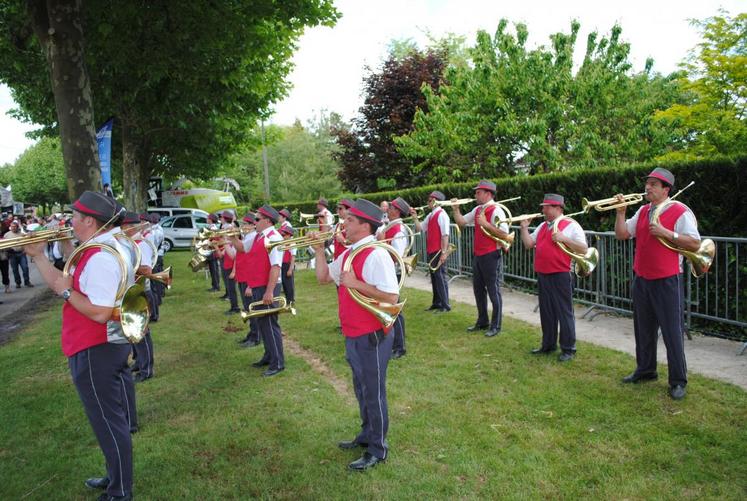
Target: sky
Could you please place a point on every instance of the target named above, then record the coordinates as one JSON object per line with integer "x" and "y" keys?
{"x": 330, "y": 62}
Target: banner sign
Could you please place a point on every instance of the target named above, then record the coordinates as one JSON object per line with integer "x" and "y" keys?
{"x": 104, "y": 140}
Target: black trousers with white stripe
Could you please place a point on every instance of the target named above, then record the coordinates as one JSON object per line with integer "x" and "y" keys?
{"x": 144, "y": 355}
{"x": 98, "y": 374}
{"x": 658, "y": 304}
{"x": 439, "y": 285}
{"x": 486, "y": 274}
{"x": 368, "y": 356}
{"x": 556, "y": 311}
{"x": 269, "y": 331}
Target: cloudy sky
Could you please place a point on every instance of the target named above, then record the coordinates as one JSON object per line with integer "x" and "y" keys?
{"x": 330, "y": 62}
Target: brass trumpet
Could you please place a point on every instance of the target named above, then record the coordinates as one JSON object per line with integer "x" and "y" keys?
{"x": 36, "y": 237}
{"x": 434, "y": 264}
{"x": 464, "y": 201}
{"x": 302, "y": 241}
{"x": 254, "y": 311}
{"x": 611, "y": 203}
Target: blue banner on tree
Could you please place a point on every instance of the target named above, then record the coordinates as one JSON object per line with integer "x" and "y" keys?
{"x": 104, "y": 140}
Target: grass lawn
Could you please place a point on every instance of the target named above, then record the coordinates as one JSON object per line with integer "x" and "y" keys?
{"x": 470, "y": 417}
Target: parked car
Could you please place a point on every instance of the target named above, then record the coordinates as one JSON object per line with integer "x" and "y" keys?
{"x": 176, "y": 211}
{"x": 178, "y": 231}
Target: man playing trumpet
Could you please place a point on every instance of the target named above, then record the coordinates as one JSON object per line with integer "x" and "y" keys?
{"x": 554, "y": 277}
{"x": 656, "y": 290}
{"x": 436, "y": 229}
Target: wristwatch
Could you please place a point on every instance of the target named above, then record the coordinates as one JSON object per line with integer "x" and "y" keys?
{"x": 675, "y": 235}
{"x": 66, "y": 294}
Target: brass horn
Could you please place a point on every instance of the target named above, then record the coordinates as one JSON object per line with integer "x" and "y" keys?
{"x": 166, "y": 277}
{"x": 583, "y": 264}
{"x": 386, "y": 313}
{"x": 36, "y": 237}
{"x": 611, "y": 203}
{"x": 255, "y": 311}
{"x": 507, "y": 242}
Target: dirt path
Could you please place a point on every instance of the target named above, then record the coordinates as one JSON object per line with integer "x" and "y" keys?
{"x": 340, "y": 385}
{"x": 709, "y": 356}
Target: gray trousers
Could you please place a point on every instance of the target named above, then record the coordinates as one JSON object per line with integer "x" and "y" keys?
{"x": 269, "y": 331}
{"x": 368, "y": 357}
{"x": 556, "y": 310}
{"x": 98, "y": 373}
{"x": 658, "y": 304}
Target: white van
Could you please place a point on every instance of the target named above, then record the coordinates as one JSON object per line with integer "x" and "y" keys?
{"x": 176, "y": 211}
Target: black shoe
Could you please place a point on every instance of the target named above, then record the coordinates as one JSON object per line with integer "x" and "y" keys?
{"x": 443, "y": 310}
{"x": 107, "y": 497}
{"x": 492, "y": 332}
{"x": 224, "y": 296}
{"x": 637, "y": 378}
{"x": 249, "y": 343}
{"x": 566, "y": 356}
{"x": 365, "y": 462}
{"x": 140, "y": 377}
{"x": 97, "y": 483}
{"x": 213, "y": 290}
{"x": 542, "y": 351}
{"x": 476, "y": 327}
{"x": 272, "y": 372}
{"x": 261, "y": 363}
{"x": 29, "y": 284}
{"x": 432, "y": 307}
{"x": 399, "y": 354}
{"x": 352, "y": 444}
{"x": 677, "y": 392}
{"x": 232, "y": 311}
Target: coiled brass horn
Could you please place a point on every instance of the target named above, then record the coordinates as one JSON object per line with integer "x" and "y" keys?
{"x": 386, "y": 313}
{"x": 583, "y": 264}
{"x": 255, "y": 310}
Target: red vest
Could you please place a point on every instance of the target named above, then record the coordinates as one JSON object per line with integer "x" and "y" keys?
{"x": 391, "y": 232}
{"x": 259, "y": 262}
{"x": 548, "y": 258}
{"x": 652, "y": 260}
{"x": 227, "y": 260}
{"x": 287, "y": 256}
{"x": 483, "y": 245}
{"x": 78, "y": 331}
{"x": 242, "y": 266}
{"x": 433, "y": 233}
{"x": 354, "y": 319}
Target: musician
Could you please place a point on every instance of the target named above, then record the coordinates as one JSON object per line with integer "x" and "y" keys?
{"x": 287, "y": 269}
{"x": 284, "y": 219}
{"x": 436, "y": 227}
{"x": 93, "y": 342}
{"x": 264, "y": 282}
{"x": 226, "y": 252}
{"x": 157, "y": 237}
{"x": 340, "y": 240}
{"x": 151, "y": 290}
{"x": 214, "y": 265}
{"x": 144, "y": 355}
{"x": 322, "y": 209}
{"x": 657, "y": 302}
{"x": 396, "y": 236}
{"x": 367, "y": 347}
{"x": 242, "y": 273}
{"x": 487, "y": 265}
{"x": 554, "y": 277}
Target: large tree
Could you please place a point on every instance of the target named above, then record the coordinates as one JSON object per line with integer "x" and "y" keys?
{"x": 185, "y": 81}
{"x": 713, "y": 121}
{"x": 39, "y": 175}
{"x": 369, "y": 157}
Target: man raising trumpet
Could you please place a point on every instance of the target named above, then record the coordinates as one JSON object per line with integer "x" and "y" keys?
{"x": 554, "y": 278}
{"x": 367, "y": 345}
{"x": 436, "y": 229}
{"x": 656, "y": 291}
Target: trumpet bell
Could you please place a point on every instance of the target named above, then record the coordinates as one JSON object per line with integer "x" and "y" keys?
{"x": 258, "y": 309}
{"x": 702, "y": 259}
{"x": 134, "y": 313}
{"x": 410, "y": 263}
{"x": 585, "y": 264}
{"x": 386, "y": 313}
{"x": 165, "y": 277}
{"x": 197, "y": 262}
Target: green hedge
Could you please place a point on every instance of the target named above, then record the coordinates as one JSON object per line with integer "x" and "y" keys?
{"x": 716, "y": 197}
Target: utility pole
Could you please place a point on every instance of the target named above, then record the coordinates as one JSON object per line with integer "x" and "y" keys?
{"x": 264, "y": 161}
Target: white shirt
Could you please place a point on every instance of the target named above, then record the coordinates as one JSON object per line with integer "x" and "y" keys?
{"x": 685, "y": 224}
{"x": 498, "y": 213}
{"x": 272, "y": 235}
{"x": 329, "y": 219}
{"x": 101, "y": 276}
{"x": 146, "y": 253}
{"x": 572, "y": 231}
{"x": 378, "y": 269}
{"x": 248, "y": 240}
{"x": 442, "y": 221}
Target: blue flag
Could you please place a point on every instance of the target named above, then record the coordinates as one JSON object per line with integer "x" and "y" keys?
{"x": 104, "y": 140}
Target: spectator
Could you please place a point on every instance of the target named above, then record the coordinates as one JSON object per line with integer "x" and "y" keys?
{"x": 17, "y": 257}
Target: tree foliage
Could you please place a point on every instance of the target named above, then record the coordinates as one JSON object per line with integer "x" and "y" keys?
{"x": 713, "y": 120}
{"x": 185, "y": 81}
{"x": 368, "y": 155}
{"x": 38, "y": 176}
{"x": 300, "y": 161}
{"x": 515, "y": 109}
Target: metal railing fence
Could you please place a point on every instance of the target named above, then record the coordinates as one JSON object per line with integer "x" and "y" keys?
{"x": 715, "y": 304}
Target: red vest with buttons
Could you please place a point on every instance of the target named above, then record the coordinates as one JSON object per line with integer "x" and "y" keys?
{"x": 78, "y": 331}
{"x": 259, "y": 262}
{"x": 287, "y": 257}
{"x": 338, "y": 247}
{"x": 548, "y": 258}
{"x": 653, "y": 260}
{"x": 433, "y": 233}
{"x": 355, "y": 320}
{"x": 242, "y": 266}
{"x": 483, "y": 244}
{"x": 227, "y": 260}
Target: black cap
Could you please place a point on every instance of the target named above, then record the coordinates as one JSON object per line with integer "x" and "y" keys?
{"x": 130, "y": 218}
{"x": 96, "y": 205}
{"x": 269, "y": 213}
{"x": 367, "y": 210}
{"x": 285, "y": 213}
{"x": 401, "y": 205}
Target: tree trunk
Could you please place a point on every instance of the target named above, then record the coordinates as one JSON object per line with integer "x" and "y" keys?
{"x": 59, "y": 28}
{"x": 135, "y": 168}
